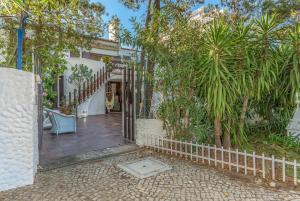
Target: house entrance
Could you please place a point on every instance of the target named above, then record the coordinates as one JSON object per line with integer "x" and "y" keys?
{"x": 114, "y": 127}
{"x": 113, "y": 98}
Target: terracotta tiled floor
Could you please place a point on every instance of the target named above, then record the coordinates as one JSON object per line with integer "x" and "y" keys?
{"x": 93, "y": 133}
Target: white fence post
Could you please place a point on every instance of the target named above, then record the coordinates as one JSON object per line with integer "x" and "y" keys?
{"x": 215, "y": 155}
{"x": 263, "y": 166}
{"x": 295, "y": 173}
{"x": 159, "y": 144}
{"x": 237, "y": 160}
{"x": 222, "y": 156}
{"x": 185, "y": 149}
{"x": 254, "y": 164}
{"x": 180, "y": 148}
{"x": 229, "y": 159}
{"x": 208, "y": 155}
{"x": 191, "y": 150}
{"x": 283, "y": 169}
{"x": 245, "y": 162}
{"x": 165, "y": 145}
{"x": 176, "y": 147}
{"x": 152, "y": 144}
{"x": 273, "y": 167}
{"x": 171, "y": 146}
{"x": 202, "y": 152}
{"x": 197, "y": 152}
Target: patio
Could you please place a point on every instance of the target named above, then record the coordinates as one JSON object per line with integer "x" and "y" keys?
{"x": 93, "y": 133}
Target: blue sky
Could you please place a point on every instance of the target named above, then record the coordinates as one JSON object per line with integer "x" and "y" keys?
{"x": 114, "y": 7}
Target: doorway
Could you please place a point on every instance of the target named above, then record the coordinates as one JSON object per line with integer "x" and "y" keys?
{"x": 98, "y": 132}
{"x": 114, "y": 96}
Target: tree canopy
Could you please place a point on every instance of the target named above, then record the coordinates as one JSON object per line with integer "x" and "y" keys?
{"x": 52, "y": 28}
{"x": 231, "y": 73}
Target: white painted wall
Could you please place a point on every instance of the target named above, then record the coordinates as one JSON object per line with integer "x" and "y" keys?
{"x": 18, "y": 129}
{"x": 145, "y": 128}
{"x": 94, "y": 65}
{"x": 94, "y": 105}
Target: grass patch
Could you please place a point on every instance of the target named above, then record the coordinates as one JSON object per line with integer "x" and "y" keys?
{"x": 279, "y": 145}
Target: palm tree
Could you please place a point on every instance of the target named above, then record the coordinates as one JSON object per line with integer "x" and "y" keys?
{"x": 293, "y": 41}
{"x": 217, "y": 83}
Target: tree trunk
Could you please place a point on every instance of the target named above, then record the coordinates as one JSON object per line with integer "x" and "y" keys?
{"x": 150, "y": 70}
{"x": 243, "y": 116}
{"x": 218, "y": 132}
{"x": 226, "y": 138}
{"x": 148, "y": 18}
{"x": 157, "y": 5}
{"x": 151, "y": 64}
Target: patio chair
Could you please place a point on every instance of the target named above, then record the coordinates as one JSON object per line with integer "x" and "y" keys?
{"x": 61, "y": 123}
{"x": 46, "y": 120}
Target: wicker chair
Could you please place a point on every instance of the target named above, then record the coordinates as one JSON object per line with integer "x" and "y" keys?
{"x": 61, "y": 123}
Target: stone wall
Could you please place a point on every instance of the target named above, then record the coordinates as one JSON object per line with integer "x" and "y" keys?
{"x": 18, "y": 128}
{"x": 148, "y": 127}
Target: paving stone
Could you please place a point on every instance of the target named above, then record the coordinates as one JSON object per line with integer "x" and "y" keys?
{"x": 105, "y": 181}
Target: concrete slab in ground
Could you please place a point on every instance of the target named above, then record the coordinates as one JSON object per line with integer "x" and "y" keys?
{"x": 145, "y": 167}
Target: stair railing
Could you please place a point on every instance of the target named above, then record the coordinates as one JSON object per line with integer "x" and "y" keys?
{"x": 88, "y": 88}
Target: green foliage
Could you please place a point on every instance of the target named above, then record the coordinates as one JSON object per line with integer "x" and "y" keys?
{"x": 275, "y": 144}
{"x": 185, "y": 119}
{"x": 53, "y": 27}
{"x": 217, "y": 83}
{"x": 288, "y": 142}
{"x": 54, "y": 66}
{"x": 247, "y": 9}
{"x": 11, "y": 7}
{"x": 132, "y": 4}
{"x": 80, "y": 74}
{"x": 283, "y": 8}
{"x": 224, "y": 70}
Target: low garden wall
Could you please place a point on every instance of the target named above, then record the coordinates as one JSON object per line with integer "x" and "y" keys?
{"x": 148, "y": 127}
{"x": 18, "y": 128}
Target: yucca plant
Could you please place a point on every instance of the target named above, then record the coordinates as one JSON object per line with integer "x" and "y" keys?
{"x": 293, "y": 42}
{"x": 243, "y": 35}
{"x": 217, "y": 82}
{"x": 265, "y": 56}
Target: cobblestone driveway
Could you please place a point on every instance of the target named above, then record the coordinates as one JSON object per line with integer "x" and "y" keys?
{"x": 103, "y": 180}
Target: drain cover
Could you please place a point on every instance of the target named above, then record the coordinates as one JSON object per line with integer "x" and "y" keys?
{"x": 145, "y": 167}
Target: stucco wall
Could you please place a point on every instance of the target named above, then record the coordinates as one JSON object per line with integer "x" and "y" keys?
{"x": 94, "y": 105}
{"x": 146, "y": 128}
{"x": 94, "y": 65}
{"x": 18, "y": 129}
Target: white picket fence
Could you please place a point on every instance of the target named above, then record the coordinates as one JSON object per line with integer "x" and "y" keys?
{"x": 233, "y": 160}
